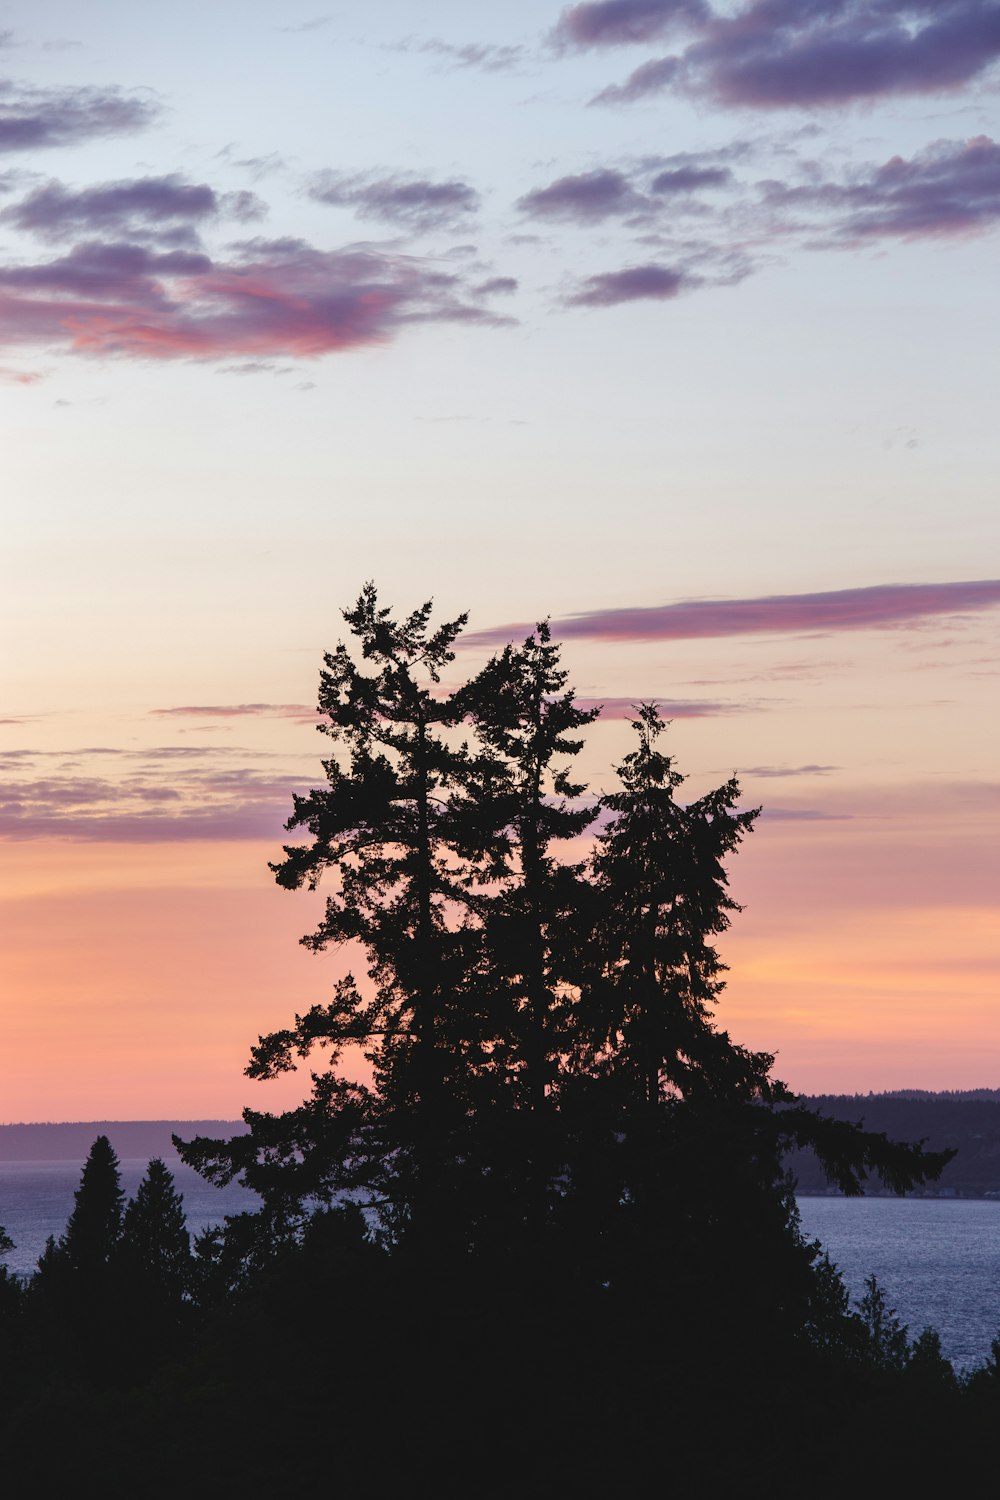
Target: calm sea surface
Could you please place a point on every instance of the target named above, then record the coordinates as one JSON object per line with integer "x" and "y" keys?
{"x": 938, "y": 1259}
{"x": 36, "y": 1199}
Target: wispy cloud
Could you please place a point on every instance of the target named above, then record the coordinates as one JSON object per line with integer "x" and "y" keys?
{"x": 631, "y": 284}
{"x": 781, "y": 772}
{"x": 271, "y": 298}
{"x": 400, "y": 198}
{"x": 496, "y": 286}
{"x": 160, "y": 206}
{"x": 623, "y": 23}
{"x": 670, "y": 708}
{"x": 880, "y": 606}
{"x": 250, "y": 822}
{"x": 487, "y": 57}
{"x": 297, "y": 711}
{"x": 315, "y": 23}
{"x": 230, "y": 803}
{"x": 953, "y": 187}
{"x": 651, "y": 77}
{"x": 777, "y": 54}
{"x": 585, "y": 198}
{"x": 689, "y": 178}
{"x": 34, "y": 118}
{"x": 804, "y": 815}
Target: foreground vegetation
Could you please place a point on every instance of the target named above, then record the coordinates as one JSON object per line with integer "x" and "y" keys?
{"x": 530, "y": 1233}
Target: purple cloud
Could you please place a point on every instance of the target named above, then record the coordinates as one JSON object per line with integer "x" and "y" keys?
{"x": 951, "y": 188}
{"x": 775, "y": 54}
{"x": 803, "y": 815}
{"x": 144, "y": 828}
{"x": 769, "y": 772}
{"x": 273, "y": 298}
{"x": 884, "y": 605}
{"x": 780, "y": 53}
{"x": 497, "y": 286}
{"x": 414, "y": 202}
{"x": 621, "y": 23}
{"x": 649, "y": 78}
{"x": 690, "y": 179}
{"x": 632, "y": 284}
{"x": 31, "y": 118}
{"x": 165, "y": 205}
{"x": 683, "y": 708}
{"x": 230, "y": 804}
{"x": 583, "y": 199}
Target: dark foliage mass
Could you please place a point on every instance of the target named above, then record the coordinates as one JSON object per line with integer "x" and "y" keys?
{"x": 530, "y": 1231}
{"x": 969, "y": 1123}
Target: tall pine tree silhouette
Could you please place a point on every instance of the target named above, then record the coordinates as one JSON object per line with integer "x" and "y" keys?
{"x": 94, "y": 1226}
{"x": 405, "y": 841}
{"x": 538, "y": 1022}
{"x": 154, "y": 1252}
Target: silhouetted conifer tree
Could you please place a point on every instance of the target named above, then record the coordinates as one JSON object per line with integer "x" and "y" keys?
{"x": 154, "y": 1253}
{"x": 94, "y": 1226}
{"x": 72, "y": 1295}
{"x": 540, "y": 1028}
{"x": 659, "y": 870}
{"x": 885, "y": 1346}
{"x": 528, "y": 723}
{"x": 10, "y": 1287}
{"x": 400, "y": 829}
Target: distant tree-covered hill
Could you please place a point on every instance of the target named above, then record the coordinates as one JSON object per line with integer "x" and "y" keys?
{"x": 71, "y": 1140}
{"x": 968, "y": 1120}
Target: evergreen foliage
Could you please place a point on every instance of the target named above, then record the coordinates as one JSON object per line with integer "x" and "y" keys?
{"x": 531, "y": 1229}
{"x": 547, "y": 1077}
{"x": 154, "y": 1252}
{"x": 94, "y": 1226}
{"x": 886, "y": 1346}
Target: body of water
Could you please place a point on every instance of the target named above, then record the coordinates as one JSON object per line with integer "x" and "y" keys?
{"x": 938, "y": 1261}
{"x": 36, "y": 1199}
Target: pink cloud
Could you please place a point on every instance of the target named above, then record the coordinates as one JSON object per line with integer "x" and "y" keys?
{"x": 147, "y": 807}
{"x": 883, "y": 605}
{"x": 690, "y": 708}
{"x": 280, "y": 297}
{"x": 297, "y": 711}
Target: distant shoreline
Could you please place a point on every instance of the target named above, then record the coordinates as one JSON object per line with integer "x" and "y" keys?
{"x": 70, "y": 1140}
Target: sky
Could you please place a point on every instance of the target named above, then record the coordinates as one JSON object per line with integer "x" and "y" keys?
{"x": 673, "y": 322}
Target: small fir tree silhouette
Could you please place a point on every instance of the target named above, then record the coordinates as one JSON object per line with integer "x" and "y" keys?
{"x": 886, "y": 1343}
{"x": 154, "y": 1252}
{"x": 94, "y": 1226}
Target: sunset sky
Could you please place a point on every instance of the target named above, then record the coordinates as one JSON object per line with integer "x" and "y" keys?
{"x": 677, "y": 324}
